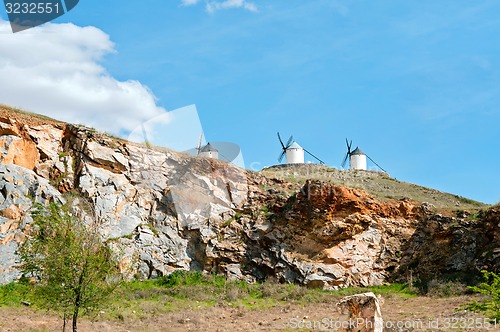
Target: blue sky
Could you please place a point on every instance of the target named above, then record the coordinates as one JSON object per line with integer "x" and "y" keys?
{"x": 416, "y": 84}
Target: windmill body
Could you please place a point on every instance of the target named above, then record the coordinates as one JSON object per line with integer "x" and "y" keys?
{"x": 357, "y": 159}
{"x": 295, "y": 154}
{"x": 208, "y": 151}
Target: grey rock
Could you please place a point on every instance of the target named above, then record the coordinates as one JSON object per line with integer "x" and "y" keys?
{"x": 15, "y": 208}
{"x": 161, "y": 211}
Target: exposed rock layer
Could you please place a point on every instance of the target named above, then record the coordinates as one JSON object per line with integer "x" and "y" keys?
{"x": 164, "y": 211}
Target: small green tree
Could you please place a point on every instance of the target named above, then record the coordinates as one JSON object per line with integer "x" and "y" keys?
{"x": 491, "y": 304}
{"x": 74, "y": 270}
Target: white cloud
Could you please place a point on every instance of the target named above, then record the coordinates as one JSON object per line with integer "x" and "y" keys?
{"x": 55, "y": 70}
{"x": 189, "y": 2}
{"x": 213, "y": 6}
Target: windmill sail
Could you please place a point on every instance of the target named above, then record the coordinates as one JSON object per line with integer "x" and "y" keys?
{"x": 198, "y": 146}
{"x": 373, "y": 161}
{"x": 348, "y": 154}
{"x": 284, "y": 147}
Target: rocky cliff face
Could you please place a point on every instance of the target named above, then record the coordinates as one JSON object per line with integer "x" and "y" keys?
{"x": 163, "y": 211}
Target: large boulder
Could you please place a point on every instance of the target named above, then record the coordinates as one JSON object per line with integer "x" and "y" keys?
{"x": 361, "y": 313}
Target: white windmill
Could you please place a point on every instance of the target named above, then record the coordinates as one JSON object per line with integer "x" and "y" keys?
{"x": 225, "y": 151}
{"x": 208, "y": 151}
{"x": 294, "y": 152}
{"x": 357, "y": 158}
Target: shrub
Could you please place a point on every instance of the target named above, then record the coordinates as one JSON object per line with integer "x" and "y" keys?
{"x": 439, "y": 288}
{"x": 187, "y": 278}
{"x": 74, "y": 270}
{"x": 181, "y": 278}
{"x": 14, "y": 293}
{"x": 490, "y": 287}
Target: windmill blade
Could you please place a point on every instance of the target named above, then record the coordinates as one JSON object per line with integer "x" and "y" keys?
{"x": 146, "y": 139}
{"x": 376, "y": 163}
{"x": 349, "y": 145}
{"x": 198, "y": 146}
{"x": 345, "y": 160}
{"x": 282, "y": 154}
{"x": 289, "y": 142}
{"x": 320, "y": 161}
{"x": 283, "y": 145}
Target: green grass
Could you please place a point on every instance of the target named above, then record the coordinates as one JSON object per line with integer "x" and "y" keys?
{"x": 187, "y": 290}
{"x": 469, "y": 201}
{"x": 400, "y": 290}
{"x": 15, "y": 293}
{"x": 186, "y": 278}
{"x": 184, "y": 290}
{"x": 474, "y": 216}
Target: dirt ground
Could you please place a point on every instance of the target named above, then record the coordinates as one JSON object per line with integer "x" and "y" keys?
{"x": 400, "y": 314}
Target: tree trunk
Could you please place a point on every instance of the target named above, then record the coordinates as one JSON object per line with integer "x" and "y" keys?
{"x": 78, "y": 297}
{"x": 75, "y": 319}
{"x": 64, "y": 322}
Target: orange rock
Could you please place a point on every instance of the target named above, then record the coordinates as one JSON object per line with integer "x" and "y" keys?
{"x": 20, "y": 151}
{"x": 12, "y": 212}
{"x": 7, "y": 239}
{"x": 4, "y": 228}
{"x": 335, "y": 201}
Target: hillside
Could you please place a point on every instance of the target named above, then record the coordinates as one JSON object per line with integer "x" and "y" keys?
{"x": 165, "y": 211}
{"x": 378, "y": 184}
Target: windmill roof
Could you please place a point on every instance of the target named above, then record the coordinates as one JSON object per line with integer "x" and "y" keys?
{"x": 208, "y": 148}
{"x": 357, "y": 151}
{"x": 294, "y": 145}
